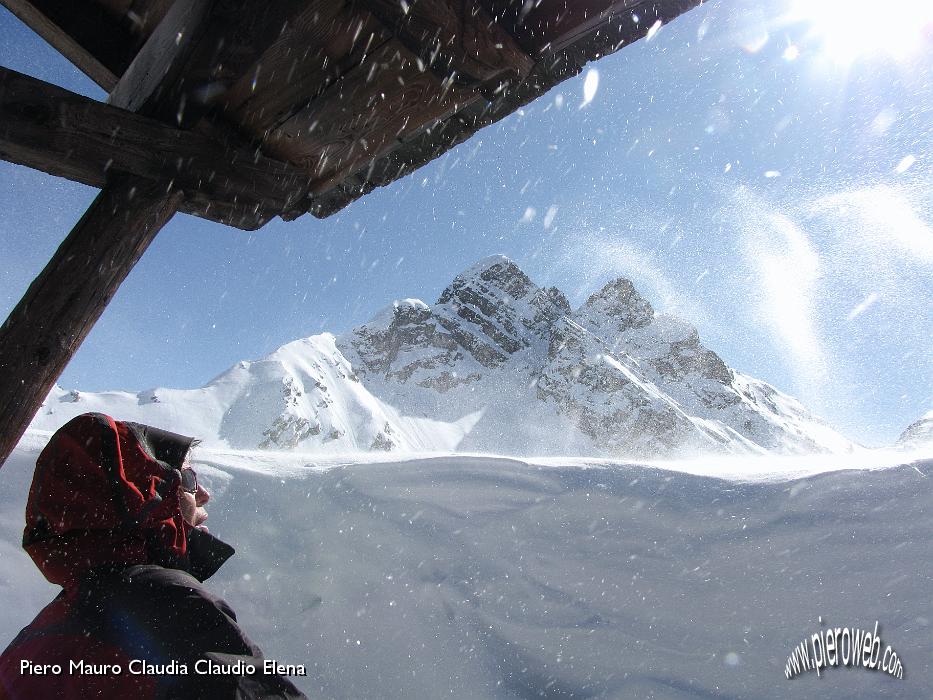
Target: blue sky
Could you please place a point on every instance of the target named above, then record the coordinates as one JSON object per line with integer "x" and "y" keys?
{"x": 752, "y": 168}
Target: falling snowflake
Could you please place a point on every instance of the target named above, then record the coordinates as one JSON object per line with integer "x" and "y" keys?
{"x": 653, "y": 30}
{"x": 590, "y": 86}
{"x": 905, "y": 163}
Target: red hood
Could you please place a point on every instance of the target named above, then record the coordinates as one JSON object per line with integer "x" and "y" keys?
{"x": 100, "y": 496}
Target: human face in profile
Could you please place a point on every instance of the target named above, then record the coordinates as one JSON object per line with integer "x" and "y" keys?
{"x": 192, "y": 502}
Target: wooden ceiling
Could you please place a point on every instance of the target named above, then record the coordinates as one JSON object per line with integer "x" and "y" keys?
{"x": 293, "y": 106}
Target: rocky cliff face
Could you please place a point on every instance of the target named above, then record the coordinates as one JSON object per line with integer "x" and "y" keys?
{"x": 497, "y": 364}
{"x": 918, "y": 434}
{"x": 631, "y": 380}
{"x": 487, "y": 314}
{"x": 608, "y": 397}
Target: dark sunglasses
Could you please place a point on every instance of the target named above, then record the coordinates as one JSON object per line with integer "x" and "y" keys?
{"x": 189, "y": 480}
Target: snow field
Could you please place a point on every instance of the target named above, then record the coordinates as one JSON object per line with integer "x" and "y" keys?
{"x": 470, "y": 576}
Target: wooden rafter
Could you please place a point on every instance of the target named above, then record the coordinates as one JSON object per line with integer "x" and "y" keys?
{"x": 364, "y": 115}
{"x": 325, "y": 41}
{"x": 546, "y": 28}
{"x": 89, "y": 34}
{"x": 166, "y": 50}
{"x": 50, "y": 129}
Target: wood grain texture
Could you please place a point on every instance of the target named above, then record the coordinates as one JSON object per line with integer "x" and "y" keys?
{"x": 62, "y": 304}
{"x": 64, "y": 134}
{"x": 144, "y": 15}
{"x": 548, "y": 27}
{"x": 364, "y": 115}
{"x": 454, "y": 36}
{"x": 321, "y": 43}
{"x": 236, "y": 34}
{"x": 165, "y": 49}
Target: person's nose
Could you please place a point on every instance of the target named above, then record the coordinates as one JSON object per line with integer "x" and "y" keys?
{"x": 202, "y": 496}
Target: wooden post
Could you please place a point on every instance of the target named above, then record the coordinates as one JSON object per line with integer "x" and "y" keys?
{"x": 69, "y": 295}
{"x": 64, "y": 302}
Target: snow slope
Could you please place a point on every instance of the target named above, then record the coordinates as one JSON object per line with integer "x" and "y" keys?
{"x": 468, "y": 576}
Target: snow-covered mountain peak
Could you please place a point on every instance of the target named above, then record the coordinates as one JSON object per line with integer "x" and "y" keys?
{"x": 494, "y": 310}
{"x": 398, "y": 309}
{"x": 918, "y": 434}
{"x": 618, "y": 304}
{"x": 491, "y": 268}
{"x": 498, "y": 364}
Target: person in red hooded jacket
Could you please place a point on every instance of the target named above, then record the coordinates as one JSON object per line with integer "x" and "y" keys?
{"x": 114, "y": 517}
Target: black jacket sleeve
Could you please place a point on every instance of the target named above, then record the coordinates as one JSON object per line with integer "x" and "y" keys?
{"x": 160, "y": 615}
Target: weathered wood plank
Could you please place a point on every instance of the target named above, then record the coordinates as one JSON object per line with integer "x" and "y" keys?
{"x": 319, "y": 45}
{"x": 362, "y": 116}
{"x": 86, "y": 33}
{"x": 64, "y": 134}
{"x": 64, "y": 302}
{"x": 164, "y": 50}
{"x": 457, "y": 37}
{"x": 144, "y": 15}
{"x": 548, "y": 27}
{"x": 236, "y": 35}
{"x": 403, "y": 159}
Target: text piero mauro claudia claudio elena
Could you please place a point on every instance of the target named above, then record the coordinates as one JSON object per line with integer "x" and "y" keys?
{"x": 141, "y": 667}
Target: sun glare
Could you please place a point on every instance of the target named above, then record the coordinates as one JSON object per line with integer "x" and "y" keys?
{"x": 849, "y": 29}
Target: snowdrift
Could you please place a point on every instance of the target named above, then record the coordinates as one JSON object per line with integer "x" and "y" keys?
{"x": 486, "y": 577}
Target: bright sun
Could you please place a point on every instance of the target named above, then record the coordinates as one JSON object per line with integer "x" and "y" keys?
{"x": 849, "y": 29}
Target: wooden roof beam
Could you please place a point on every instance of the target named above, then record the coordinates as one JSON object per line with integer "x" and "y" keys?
{"x": 166, "y": 50}
{"x": 546, "y": 28}
{"x": 84, "y": 32}
{"x": 58, "y": 132}
{"x": 236, "y": 35}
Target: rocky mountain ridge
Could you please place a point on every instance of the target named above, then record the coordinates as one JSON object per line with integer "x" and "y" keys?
{"x": 498, "y": 364}
{"x": 917, "y": 434}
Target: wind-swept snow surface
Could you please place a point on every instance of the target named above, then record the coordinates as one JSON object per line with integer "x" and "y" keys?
{"x": 485, "y": 577}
